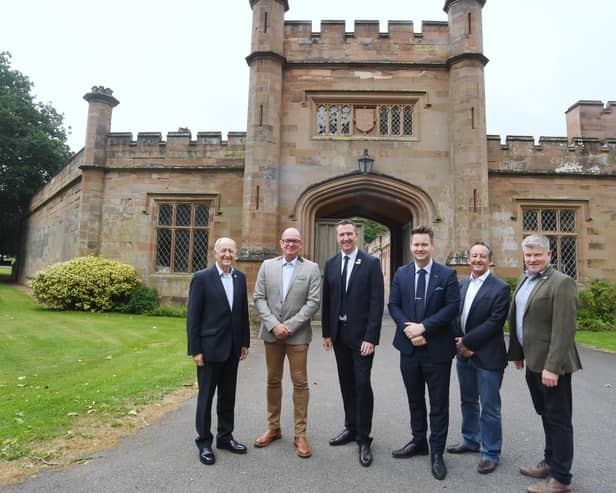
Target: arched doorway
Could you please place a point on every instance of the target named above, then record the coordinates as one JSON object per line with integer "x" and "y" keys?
{"x": 387, "y": 200}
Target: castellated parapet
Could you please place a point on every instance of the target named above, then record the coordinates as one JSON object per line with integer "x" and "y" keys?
{"x": 366, "y": 44}
{"x": 551, "y": 155}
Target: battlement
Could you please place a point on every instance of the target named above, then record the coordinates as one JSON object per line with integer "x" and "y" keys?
{"x": 178, "y": 151}
{"x": 366, "y": 44}
{"x": 178, "y": 139}
{"x": 591, "y": 119}
{"x": 520, "y": 154}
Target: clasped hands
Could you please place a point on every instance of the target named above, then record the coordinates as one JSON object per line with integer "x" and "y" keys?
{"x": 462, "y": 349}
{"x": 415, "y": 332}
{"x": 281, "y": 331}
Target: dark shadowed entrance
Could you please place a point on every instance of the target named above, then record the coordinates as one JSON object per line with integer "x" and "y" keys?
{"x": 389, "y": 201}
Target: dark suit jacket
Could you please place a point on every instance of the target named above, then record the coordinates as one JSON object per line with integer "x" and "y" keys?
{"x": 212, "y": 327}
{"x": 364, "y": 297}
{"x": 441, "y": 308}
{"x": 484, "y": 323}
{"x": 549, "y": 325}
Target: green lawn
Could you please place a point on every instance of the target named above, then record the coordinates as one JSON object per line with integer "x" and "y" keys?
{"x": 56, "y": 363}
{"x": 603, "y": 340}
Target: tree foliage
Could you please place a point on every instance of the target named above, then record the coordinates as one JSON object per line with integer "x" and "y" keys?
{"x": 32, "y": 149}
{"x": 372, "y": 229}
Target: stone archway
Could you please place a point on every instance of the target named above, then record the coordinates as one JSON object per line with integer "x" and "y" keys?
{"x": 385, "y": 199}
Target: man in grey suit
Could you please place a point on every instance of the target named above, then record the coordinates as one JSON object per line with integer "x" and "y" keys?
{"x": 542, "y": 332}
{"x": 287, "y": 294}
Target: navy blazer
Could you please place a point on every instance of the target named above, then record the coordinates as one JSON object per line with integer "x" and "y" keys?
{"x": 441, "y": 308}
{"x": 364, "y": 297}
{"x": 211, "y": 326}
{"x": 484, "y": 323}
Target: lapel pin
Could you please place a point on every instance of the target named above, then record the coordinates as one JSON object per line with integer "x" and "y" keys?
{"x": 358, "y": 261}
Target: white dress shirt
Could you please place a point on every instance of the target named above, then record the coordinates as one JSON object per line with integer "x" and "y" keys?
{"x": 473, "y": 288}
{"x": 227, "y": 284}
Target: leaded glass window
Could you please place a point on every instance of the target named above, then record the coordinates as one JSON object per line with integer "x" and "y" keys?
{"x": 182, "y": 232}
{"x": 559, "y": 226}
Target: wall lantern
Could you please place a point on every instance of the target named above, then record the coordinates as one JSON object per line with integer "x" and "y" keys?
{"x": 365, "y": 163}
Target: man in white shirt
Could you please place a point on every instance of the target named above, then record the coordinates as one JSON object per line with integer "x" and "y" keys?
{"x": 481, "y": 358}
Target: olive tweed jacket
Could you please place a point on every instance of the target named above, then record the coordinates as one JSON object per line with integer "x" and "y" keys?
{"x": 549, "y": 325}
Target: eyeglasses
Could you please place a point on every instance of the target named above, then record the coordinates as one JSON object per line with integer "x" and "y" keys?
{"x": 291, "y": 242}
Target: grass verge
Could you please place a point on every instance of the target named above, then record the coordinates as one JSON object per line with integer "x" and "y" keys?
{"x": 599, "y": 340}
{"x": 63, "y": 372}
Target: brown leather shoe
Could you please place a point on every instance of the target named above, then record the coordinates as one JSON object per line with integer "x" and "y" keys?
{"x": 540, "y": 471}
{"x": 302, "y": 449}
{"x": 268, "y": 437}
{"x": 551, "y": 486}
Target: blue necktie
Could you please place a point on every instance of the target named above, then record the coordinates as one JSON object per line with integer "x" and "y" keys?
{"x": 343, "y": 286}
{"x": 420, "y": 294}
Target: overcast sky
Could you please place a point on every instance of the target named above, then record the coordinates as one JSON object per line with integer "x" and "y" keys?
{"x": 181, "y": 63}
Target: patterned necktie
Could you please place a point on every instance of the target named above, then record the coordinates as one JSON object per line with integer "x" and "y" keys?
{"x": 420, "y": 294}
{"x": 343, "y": 286}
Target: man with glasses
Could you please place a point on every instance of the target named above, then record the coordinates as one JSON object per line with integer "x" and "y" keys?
{"x": 287, "y": 294}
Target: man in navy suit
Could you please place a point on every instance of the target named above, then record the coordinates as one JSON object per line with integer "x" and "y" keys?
{"x": 481, "y": 358}
{"x": 218, "y": 338}
{"x": 352, "y": 304}
{"x": 423, "y": 301}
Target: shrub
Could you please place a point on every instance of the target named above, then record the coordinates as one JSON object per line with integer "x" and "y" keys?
{"x": 85, "y": 284}
{"x": 169, "y": 311}
{"x": 596, "y": 307}
{"x": 142, "y": 300}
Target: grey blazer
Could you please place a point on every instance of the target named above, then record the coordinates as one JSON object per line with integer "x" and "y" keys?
{"x": 549, "y": 325}
{"x": 296, "y": 310}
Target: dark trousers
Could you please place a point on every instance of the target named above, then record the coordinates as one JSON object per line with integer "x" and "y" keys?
{"x": 554, "y": 405}
{"x": 357, "y": 397}
{"x": 418, "y": 371}
{"x": 212, "y": 376}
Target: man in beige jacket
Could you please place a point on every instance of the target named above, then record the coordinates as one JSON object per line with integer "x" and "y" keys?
{"x": 287, "y": 294}
{"x": 542, "y": 332}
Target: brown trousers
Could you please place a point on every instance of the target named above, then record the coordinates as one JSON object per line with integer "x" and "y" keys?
{"x": 297, "y": 354}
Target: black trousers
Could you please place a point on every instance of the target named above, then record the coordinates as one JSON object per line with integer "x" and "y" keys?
{"x": 213, "y": 376}
{"x": 418, "y": 371}
{"x": 554, "y": 405}
{"x": 354, "y": 375}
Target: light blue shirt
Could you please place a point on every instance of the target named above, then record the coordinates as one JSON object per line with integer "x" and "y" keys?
{"x": 227, "y": 284}
{"x": 521, "y": 300}
{"x": 287, "y": 273}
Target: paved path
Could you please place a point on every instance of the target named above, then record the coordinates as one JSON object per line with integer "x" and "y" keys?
{"x": 163, "y": 458}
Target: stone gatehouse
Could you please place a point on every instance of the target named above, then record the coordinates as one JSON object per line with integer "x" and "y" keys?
{"x": 414, "y": 100}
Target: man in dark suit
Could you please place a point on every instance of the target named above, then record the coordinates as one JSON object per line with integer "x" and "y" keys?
{"x": 218, "y": 338}
{"x": 353, "y": 299}
{"x": 542, "y": 332}
{"x": 423, "y": 301}
{"x": 481, "y": 358}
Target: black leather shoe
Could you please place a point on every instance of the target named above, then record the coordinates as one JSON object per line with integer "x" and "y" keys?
{"x": 410, "y": 449}
{"x": 439, "y": 469}
{"x": 206, "y": 456}
{"x": 345, "y": 436}
{"x": 461, "y": 448}
{"x": 365, "y": 454}
{"x": 486, "y": 466}
{"x": 232, "y": 446}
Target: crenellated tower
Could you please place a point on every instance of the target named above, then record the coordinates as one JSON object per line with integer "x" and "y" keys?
{"x": 101, "y": 103}
{"x": 261, "y": 172}
{"x": 467, "y": 125}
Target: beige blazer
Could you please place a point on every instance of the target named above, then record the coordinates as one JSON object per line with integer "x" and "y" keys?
{"x": 549, "y": 325}
{"x": 296, "y": 310}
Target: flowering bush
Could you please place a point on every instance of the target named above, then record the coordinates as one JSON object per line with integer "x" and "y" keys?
{"x": 85, "y": 284}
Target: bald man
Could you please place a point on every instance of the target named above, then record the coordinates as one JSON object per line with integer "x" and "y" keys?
{"x": 287, "y": 295}
{"x": 218, "y": 338}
